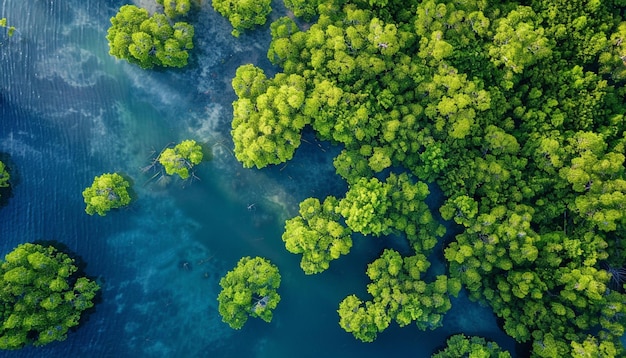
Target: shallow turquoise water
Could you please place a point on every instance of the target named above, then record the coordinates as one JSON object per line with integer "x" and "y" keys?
{"x": 70, "y": 112}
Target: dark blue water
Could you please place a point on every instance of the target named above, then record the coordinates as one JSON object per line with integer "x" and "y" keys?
{"x": 69, "y": 112}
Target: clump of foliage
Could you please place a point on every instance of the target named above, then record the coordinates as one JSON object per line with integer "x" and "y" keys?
{"x": 317, "y": 234}
{"x": 370, "y": 207}
{"x": 399, "y": 294}
{"x": 182, "y": 158}
{"x": 243, "y": 14}
{"x": 108, "y": 191}
{"x": 249, "y": 290}
{"x": 10, "y": 29}
{"x": 149, "y": 41}
{"x": 305, "y": 9}
{"x": 4, "y": 176}
{"x": 374, "y": 207}
{"x": 41, "y": 297}
{"x": 267, "y": 124}
{"x": 460, "y": 345}
{"x": 176, "y": 8}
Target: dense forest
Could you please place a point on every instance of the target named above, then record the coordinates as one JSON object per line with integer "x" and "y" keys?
{"x": 514, "y": 109}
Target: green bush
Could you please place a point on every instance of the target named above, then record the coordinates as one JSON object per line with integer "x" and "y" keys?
{"x": 149, "y": 41}
{"x": 108, "y": 191}
{"x": 249, "y": 290}
{"x": 41, "y": 296}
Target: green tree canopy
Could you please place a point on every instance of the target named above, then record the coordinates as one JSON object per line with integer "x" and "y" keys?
{"x": 592, "y": 347}
{"x": 182, "y": 158}
{"x": 243, "y": 14}
{"x": 4, "y": 176}
{"x": 317, "y": 234}
{"x": 518, "y": 42}
{"x": 176, "y": 8}
{"x": 266, "y": 124}
{"x": 399, "y": 294}
{"x": 365, "y": 207}
{"x": 303, "y": 8}
{"x": 41, "y": 296}
{"x": 460, "y": 345}
{"x": 149, "y": 41}
{"x": 249, "y": 290}
{"x": 372, "y": 207}
{"x": 108, "y": 191}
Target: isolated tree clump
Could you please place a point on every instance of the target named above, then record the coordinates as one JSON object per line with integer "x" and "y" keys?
{"x": 4, "y": 176}
{"x": 243, "y": 14}
{"x": 182, "y": 158}
{"x": 249, "y": 290}
{"x": 149, "y": 41}
{"x": 41, "y": 296}
{"x": 108, "y": 191}
{"x": 10, "y": 29}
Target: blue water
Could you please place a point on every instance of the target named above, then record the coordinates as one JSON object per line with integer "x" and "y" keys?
{"x": 69, "y": 112}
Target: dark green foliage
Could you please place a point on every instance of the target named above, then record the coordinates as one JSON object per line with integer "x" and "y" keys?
{"x": 592, "y": 347}
{"x": 370, "y": 207}
{"x": 399, "y": 294}
{"x": 4, "y": 176}
{"x": 249, "y": 290}
{"x": 461, "y": 346}
{"x": 41, "y": 296}
{"x": 149, "y": 41}
{"x": 352, "y": 166}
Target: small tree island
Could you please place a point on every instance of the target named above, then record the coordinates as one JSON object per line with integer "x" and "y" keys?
{"x": 182, "y": 158}
{"x": 249, "y": 290}
{"x": 41, "y": 296}
{"x": 108, "y": 191}
{"x": 4, "y": 176}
